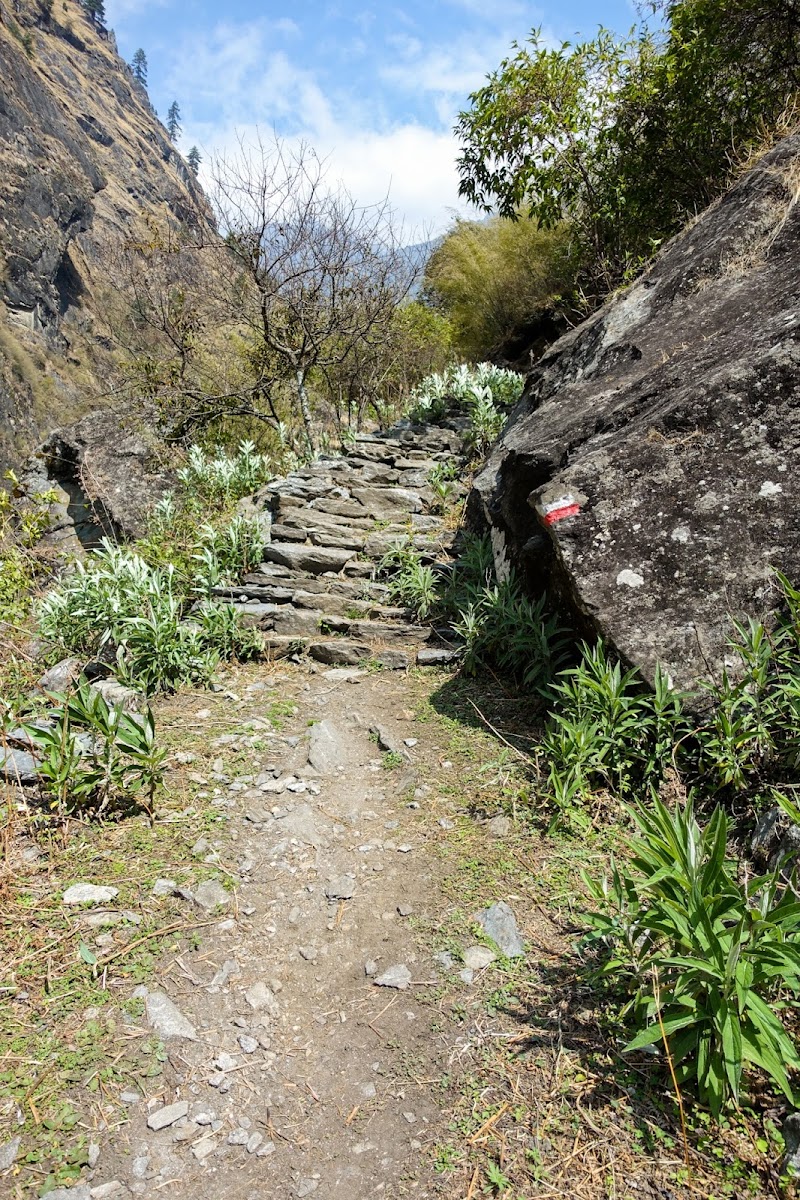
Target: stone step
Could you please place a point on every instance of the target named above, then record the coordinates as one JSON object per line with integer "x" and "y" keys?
{"x": 347, "y": 653}
{"x": 280, "y": 532}
{"x": 342, "y": 652}
{"x": 313, "y": 559}
{"x": 386, "y": 503}
{"x": 305, "y": 515}
{"x": 305, "y": 582}
{"x": 358, "y": 569}
{"x": 332, "y": 521}
{"x": 376, "y": 631}
{"x": 324, "y": 537}
{"x": 339, "y": 506}
{"x": 348, "y": 606}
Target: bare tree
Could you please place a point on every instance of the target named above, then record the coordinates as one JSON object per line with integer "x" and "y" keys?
{"x": 268, "y": 319}
{"x": 317, "y": 276}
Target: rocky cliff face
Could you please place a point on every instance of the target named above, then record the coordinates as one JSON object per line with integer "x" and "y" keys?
{"x": 649, "y": 474}
{"x": 82, "y": 156}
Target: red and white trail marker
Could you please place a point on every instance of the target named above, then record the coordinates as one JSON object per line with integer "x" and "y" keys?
{"x": 558, "y": 510}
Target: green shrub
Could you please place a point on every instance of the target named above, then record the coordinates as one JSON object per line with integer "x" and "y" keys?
{"x": 117, "y": 604}
{"x": 159, "y": 651}
{"x": 224, "y": 553}
{"x": 608, "y": 731}
{"x": 96, "y": 758}
{"x": 485, "y": 421}
{"x": 459, "y": 388}
{"x": 409, "y": 582}
{"x": 706, "y": 962}
{"x": 503, "y": 628}
{"x": 502, "y": 284}
{"x": 753, "y": 734}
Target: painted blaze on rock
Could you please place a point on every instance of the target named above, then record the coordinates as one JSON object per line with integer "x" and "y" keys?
{"x": 671, "y": 418}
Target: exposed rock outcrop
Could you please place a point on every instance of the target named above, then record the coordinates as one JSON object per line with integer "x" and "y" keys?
{"x": 649, "y": 474}
{"x": 82, "y": 155}
{"x": 106, "y": 474}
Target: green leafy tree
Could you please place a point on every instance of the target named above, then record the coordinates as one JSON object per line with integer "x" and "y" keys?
{"x": 193, "y": 159}
{"x": 534, "y": 137}
{"x": 174, "y": 121}
{"x": 627, "y": 138}
{"x": 139, "y": 66}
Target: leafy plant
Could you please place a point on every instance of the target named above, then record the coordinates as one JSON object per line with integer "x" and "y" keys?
{"x": 705, "y": 960}
{"x": 95, "y": 756}
{"x": 608, "y": 731}
{"x": 225, "y": 477}
{"x": 410, "y": 582}
{"x": 225, "y": 553}
{"x": 118, "y": 605}
{"x": 485, "y": 420}
{"x": 159, "y": 651}
{"x": 223, "y": 630}
{"x": 502, "y": 627}
{"x": 456, "y": 390}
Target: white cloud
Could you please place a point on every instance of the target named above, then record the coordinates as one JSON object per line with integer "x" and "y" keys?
{"x": 237, "y": 83}
{"x": 445, "y": 70}
{"x": 411, "y": 165}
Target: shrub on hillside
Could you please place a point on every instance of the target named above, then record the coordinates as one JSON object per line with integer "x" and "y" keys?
{"x": 503, "y": 285}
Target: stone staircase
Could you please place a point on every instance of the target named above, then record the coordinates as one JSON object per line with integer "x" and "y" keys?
{"x": 329, "y": 525}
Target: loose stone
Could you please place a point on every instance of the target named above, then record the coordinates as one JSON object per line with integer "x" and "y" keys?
{"x": 398, "y": 977}
{"x": 500, "y": 924}
{"x": 167, "y": 1116}
{"x": 89, "y": 893}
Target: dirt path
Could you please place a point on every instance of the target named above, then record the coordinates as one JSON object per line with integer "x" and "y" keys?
{"x": 301, "y": 1074}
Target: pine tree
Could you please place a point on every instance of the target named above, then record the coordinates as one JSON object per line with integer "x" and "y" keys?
{"x": 193, "y": 159}
{"x": 95, "y": 11}
{"x": 139, "y": 66}
{"x": 174, "y": 121}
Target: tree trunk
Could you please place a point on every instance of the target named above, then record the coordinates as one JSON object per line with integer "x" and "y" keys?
{"x": 305, "y": 410}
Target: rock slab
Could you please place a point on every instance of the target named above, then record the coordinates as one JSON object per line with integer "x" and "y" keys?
{"x": 647, "y": 476}
{"x": 167, "y": 1019}
{"x": 89, "y": 893}
{"x": 162, "y": 1118}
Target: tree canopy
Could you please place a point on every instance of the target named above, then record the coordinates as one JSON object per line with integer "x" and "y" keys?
{"x": 628, "y": 137}
{"x": 505, "y": 286}
{"x": 174, "y": 121}
{"x": 139, "y": 66}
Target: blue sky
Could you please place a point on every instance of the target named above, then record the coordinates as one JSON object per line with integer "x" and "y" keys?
{"x": 375, "y": 88}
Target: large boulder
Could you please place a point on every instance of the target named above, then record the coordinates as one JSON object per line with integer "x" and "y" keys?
{"x": 107, "y": 472}
{"x": 649, "y": 474}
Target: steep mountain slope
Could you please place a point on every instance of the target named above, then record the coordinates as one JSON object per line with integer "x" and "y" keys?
{"x": 82, "y": 156}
